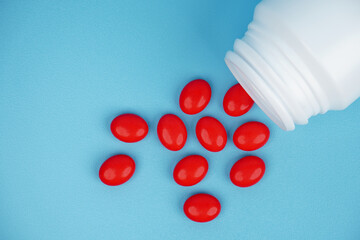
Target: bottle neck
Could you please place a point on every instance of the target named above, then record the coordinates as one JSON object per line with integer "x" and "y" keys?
{"x": 276, "y": 77}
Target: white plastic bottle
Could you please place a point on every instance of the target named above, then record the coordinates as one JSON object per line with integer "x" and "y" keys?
{"x": 300, "y": 58}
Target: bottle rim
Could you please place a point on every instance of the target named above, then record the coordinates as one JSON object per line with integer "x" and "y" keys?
{"x": 267, "y": 101}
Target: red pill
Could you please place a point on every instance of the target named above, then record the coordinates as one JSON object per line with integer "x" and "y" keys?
{"x": 236, "y": 101}
{"x": 211, "y": 134}
{"x": 129, "y": 128}
{"x": 117, "y": 170}
{"x": 247, "y": 171}
{"x": 190, "y": 170}
{"x": 251, "y": 136}
{"x": 172, "y": 132}
{"x": 202, "y": 207}
{"x": 195, "y": 96}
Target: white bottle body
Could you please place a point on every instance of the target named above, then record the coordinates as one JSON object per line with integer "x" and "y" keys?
{"x": 300, "y": 58}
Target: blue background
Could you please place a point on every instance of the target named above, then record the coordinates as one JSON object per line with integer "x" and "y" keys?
{"x": 67, "y": 68}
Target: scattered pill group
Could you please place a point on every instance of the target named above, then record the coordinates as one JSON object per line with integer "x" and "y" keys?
{"x": 211, "y": 134}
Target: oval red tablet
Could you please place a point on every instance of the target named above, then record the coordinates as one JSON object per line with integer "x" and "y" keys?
{"x": 251, "y": 136}
{"x": 247, "y": 171}
{"x": 190, "y": 170}
{"x": 117, "y": 170}
{"x": 129, "y": 128}
{"x": 236, "y": 101}
{"x": 172, "y": 132}
{"x": 202, "y": 207}
{"x": 211, "y": 134}
{"x": 195, "y": 96}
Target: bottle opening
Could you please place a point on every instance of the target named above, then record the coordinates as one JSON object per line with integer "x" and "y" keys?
{"x": 259, "y": 91}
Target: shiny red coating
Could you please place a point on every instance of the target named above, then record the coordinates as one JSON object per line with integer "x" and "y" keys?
{"x": 172, "y": 132}
{"x": 117, "y": 170}
{"x": 247, "y": 171}
{"x": 190, "y": 170}
{"x": 251, "y": 136}
{"x": 195, "y": 96}
{"x": 129, "y": 128}
{"x": 236, "y": 101}
{"x": 202, "y": 207}
{"x": 211, "y": 134}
